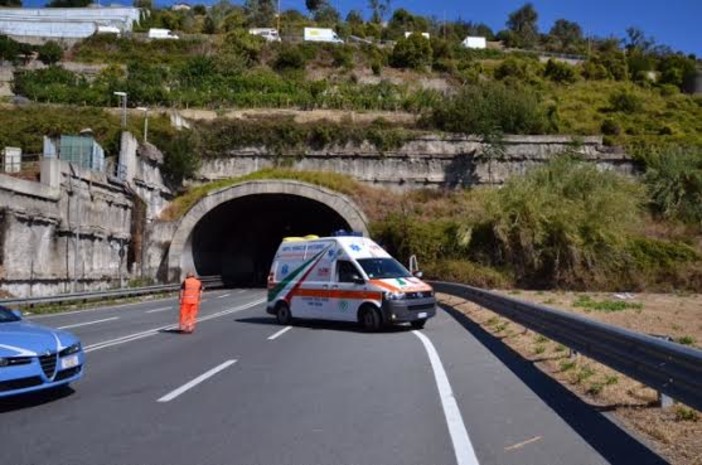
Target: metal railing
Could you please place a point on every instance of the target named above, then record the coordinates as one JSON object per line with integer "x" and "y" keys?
{"x": 208, "y": 281}
{"x": 672, "y": 369}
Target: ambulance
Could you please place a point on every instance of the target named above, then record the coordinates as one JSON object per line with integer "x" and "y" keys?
{"x": 346, "y": 277}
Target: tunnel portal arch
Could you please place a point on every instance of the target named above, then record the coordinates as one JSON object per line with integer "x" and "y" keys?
{"x": 234, "y": 231}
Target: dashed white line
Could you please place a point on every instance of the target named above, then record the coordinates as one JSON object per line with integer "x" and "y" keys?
{"x": 153, "y": 331}
{"x": 160, "y": 309}
{"x": 462, "y": 447}
{"x": 280, "y": 333}
{"x": 191, "y": 384}
{"x": 87, "y": 323}
{"x": 223, "y": 296}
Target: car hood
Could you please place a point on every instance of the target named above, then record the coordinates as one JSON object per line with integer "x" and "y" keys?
{"x": 24, "y": 339}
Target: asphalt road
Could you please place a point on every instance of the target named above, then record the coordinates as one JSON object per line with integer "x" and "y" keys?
{"x": 243, "y": 390}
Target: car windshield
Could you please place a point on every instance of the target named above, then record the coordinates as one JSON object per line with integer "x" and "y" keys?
{"x": 383, "y": 268}
{"x": 6, "y": 316}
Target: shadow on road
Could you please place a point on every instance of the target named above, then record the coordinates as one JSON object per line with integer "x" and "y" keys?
{"x": 34, "y": 399}
{"x": 615, "y": 444}
{"x": 323, "y": 324}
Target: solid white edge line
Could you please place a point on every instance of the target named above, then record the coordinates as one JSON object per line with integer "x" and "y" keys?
{"x": 87, "y": 323}
{"x": 280, "y": 333}
{"x": 462, "y": 447}
{"x": 153, "y": 331}
{"x": 160, "y": 309}
{"x": 191, "y": 384}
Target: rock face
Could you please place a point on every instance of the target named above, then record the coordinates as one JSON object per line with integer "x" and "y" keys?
{"x": 428, "y": 161}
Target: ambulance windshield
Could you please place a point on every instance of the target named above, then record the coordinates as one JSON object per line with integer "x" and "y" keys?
{"x": 383, "y": 268}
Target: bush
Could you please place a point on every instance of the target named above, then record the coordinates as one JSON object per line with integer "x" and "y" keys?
{"x": 289, "y": 57}
{"x": 411, "y": 52}
{"x": 489, "y": 108}
{"x": 626, "y": 101}
{"x": 560, "y": 225}
{"x": 50, "y": 53}
{"x": 559, "y": 72}
{"x": 466, "y": 272}
{"x": 674, "y": 181}
{"x": 610, "y": 127}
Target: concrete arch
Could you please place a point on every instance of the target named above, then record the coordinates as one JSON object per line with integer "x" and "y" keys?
{"x": 180, "y": 253}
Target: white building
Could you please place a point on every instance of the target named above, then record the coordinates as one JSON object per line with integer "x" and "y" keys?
{"x": 474, "y": 42}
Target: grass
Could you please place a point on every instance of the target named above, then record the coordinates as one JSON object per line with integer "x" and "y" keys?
{"x": 686, "y": 340}
{"x": 686, "y": 414}
{"x": 339, "y": 183}
{"x": 539, "y": 349}
{"x": 567, "y": 365}
{"x": 606, "y": 306}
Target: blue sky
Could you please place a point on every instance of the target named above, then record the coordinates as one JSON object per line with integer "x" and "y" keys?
{"x": 677, "y": 23}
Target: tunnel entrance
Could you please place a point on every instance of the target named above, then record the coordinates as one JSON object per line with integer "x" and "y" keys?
{"x": 239, "y": 238}
{"x": 235, "y": 231}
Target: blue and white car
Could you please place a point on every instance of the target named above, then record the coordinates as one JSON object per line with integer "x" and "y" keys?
{"x": 34, "y": 357}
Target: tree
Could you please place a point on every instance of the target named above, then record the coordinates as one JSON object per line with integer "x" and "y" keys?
{"x": 50, "y": 53}
{"x": 314, "y": 5}
{"x": 568, "y": 34}
{"x": 354, "y": 18}
{"x": 11, "y": 3}
{"x": 68, "y": 3}
{"x": 327, "y": 16}
{"x": 144, "y": 4}
{"x": 523, "y": 24}
{"x": 411, "y": 52}
{"x": 260, "y": 12}
{"x": 379, "y": 8}
{"x": 637, "y": 41}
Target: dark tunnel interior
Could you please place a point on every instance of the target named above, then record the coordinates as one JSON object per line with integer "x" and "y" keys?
{"x": 238, "y": 239}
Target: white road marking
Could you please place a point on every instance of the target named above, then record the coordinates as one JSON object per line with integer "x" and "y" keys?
{"x": 191, "y": 384}
{"x": 241, "y": 291}
{"x": 87, "y": 323}
{"x": 95, "y": 309}
{"x": 160, "y": 309}
{"x": 280, "y": 333}
{"x": 153, "y": 331}
{"x": 223, "y": 296}
{"x": 462, "y": 447}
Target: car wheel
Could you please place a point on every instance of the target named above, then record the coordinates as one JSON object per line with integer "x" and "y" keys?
{"x": 370, "y": 320}
{"x": 418, "y": 324}
{"x": 282, "y": 314}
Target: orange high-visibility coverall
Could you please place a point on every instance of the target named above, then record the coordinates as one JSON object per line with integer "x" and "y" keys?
{"x": 190, "y": 292}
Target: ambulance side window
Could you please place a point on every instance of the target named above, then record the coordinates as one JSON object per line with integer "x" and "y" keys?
{"x": 346, "y": 272}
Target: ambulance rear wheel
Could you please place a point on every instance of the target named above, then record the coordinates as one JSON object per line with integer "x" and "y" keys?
{"x": 370, "y": 319}
{"x": 418, "y": 324}
{"x": 282, "y": 314}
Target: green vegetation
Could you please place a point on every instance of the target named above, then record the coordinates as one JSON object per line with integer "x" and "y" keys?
{"x": 686, "y": 340}
{"x": 606, "y": 306}
{"x": 686, "y": 414}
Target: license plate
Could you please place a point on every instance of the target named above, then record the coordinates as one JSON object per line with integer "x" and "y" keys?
{"x": 422, "y": 314}
{"x": 69, "y": 362}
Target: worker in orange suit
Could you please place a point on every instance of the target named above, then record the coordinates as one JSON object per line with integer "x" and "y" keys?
{"x": 190, "y": 295}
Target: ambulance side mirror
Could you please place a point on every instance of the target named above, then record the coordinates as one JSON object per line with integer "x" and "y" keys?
{"x": 358, "y": 279}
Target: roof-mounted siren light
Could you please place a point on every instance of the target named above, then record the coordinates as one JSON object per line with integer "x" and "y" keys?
{"x": 344, "y": 233}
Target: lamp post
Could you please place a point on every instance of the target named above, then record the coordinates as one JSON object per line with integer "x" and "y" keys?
{"x": 123, "y": 98}
{"x": 146, "y": 122}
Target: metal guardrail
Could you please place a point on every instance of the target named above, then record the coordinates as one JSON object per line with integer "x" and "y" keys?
{"x": 670, "y": 368}
{"x": 207, "y": 281}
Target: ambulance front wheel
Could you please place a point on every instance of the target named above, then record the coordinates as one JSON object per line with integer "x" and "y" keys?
{"x": 282, "y": 314}
{"x": 370, "y": 319}
{"x": 418, "y": 324}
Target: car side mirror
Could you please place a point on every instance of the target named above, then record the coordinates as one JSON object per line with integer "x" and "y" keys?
{"x": 358, "y": 280}
{"x": 418, "y": 274}
{"x": 17, "y": 313}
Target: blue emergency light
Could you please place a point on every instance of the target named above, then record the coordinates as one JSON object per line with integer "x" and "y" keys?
{"x": 344, "y": 233}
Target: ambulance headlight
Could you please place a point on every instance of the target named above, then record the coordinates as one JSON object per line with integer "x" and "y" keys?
{"x": 394, "y": 295}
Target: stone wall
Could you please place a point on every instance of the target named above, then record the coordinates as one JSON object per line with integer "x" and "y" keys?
{"x": 429, "y": 161}
{"x": 68, "y": 233}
